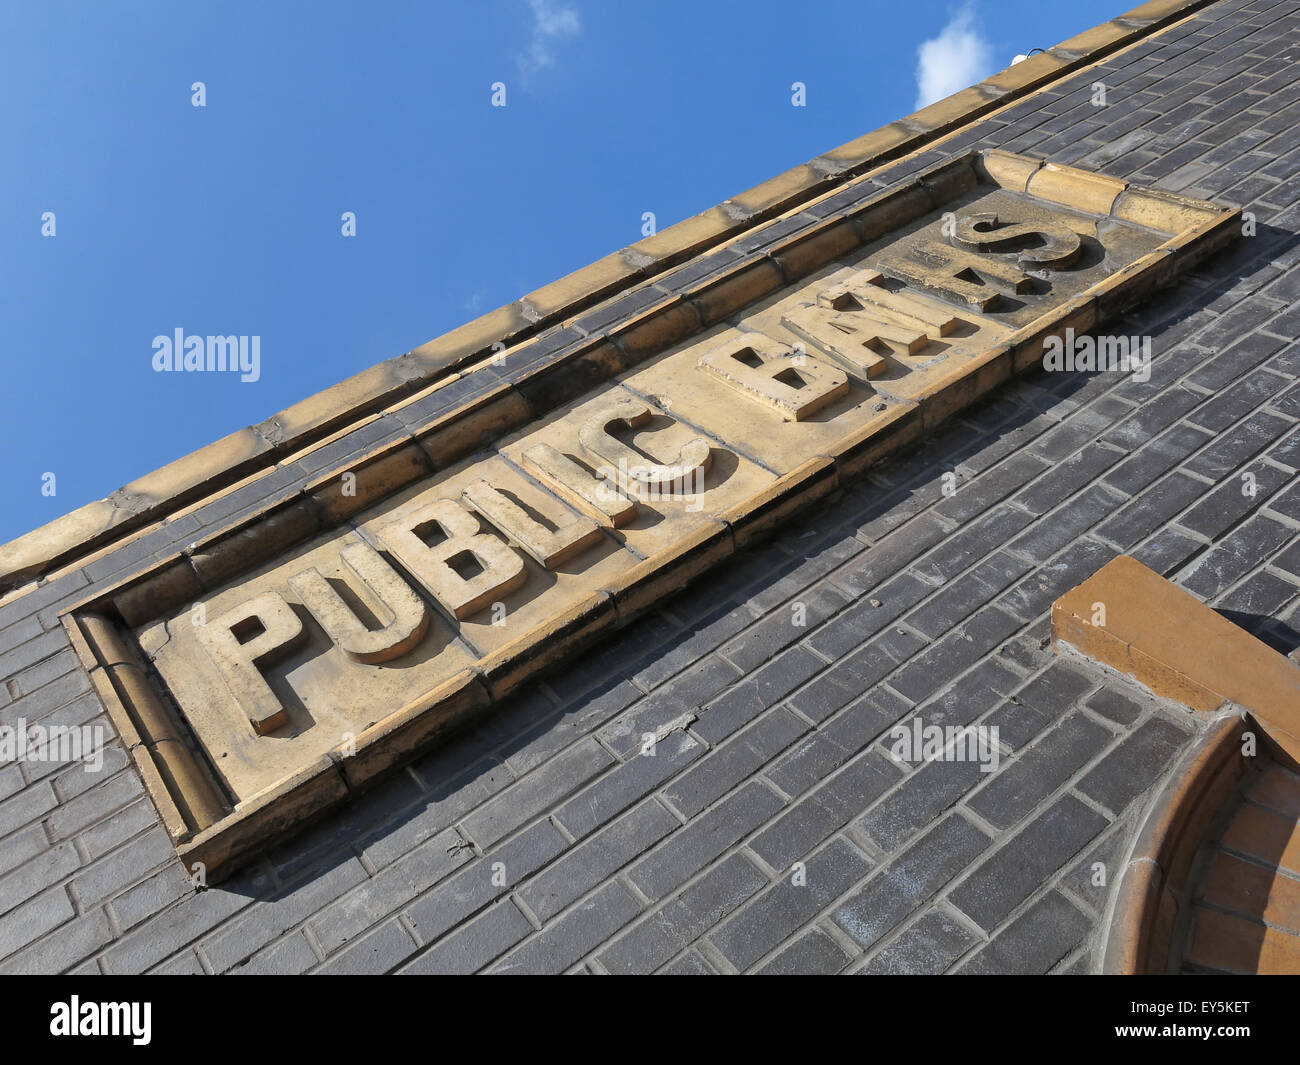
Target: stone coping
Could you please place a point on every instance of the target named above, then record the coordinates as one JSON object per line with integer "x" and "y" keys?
{"x": 1168, "y": 640}
{"x": 151, "y": 498}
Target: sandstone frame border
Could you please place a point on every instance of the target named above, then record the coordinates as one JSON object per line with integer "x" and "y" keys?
{"x": 202, "y": 820}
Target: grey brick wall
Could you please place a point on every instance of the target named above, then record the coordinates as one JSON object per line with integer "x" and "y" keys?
{"x": 544, "y": 840}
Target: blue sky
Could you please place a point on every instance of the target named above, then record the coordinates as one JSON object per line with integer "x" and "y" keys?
{"x": 225, "y": 219}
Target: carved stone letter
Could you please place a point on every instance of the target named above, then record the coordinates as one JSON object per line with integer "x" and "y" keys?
{"x": 408, "y": 617}
{"x": 243, "y": 640}
{"x": 794, "y": 385}
{"x": 627, "y": 464}
{"x": 501, "y": 570}
{"x": 550, "y": 547}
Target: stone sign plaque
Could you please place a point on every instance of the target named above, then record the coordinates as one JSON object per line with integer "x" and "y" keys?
{"x": 258, "y": 686}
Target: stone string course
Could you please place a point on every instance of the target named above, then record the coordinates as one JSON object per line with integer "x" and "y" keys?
{"x": 774, "y": 734}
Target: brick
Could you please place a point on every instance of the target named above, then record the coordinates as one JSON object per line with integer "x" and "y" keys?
{"x": 1152, "y": 509}
{"x": 289, "y": 957}
{"x": 1240, "y": 399}
{"x": 472, "y": 889}
{"x": 705, "y": 635}
{"x": 919, "y": 800}
{"x": 685, "y": 694}
{"x": 439, "y": 810}
{"x": 1156, "y": 458}
{"x": 1012, "y": 873}
{"x": 785, "y": 673}
{"x": 46, "y": 869}
{"x": 1136, "y": 764}
{"x": 123, "y": 867}
{"x": 825, "y": 810}
{"x": 1018, "y": 788}
{"x": 22, "y": 846}
{"x": 910, "y": 880}
{"x": 19, "y": 633}
{"x": 1032, "y": 597}
{"x": 847, "y": 678}
{"x": 33, "y": 919}
{"x": 819, "y": 552}
{"x": 565, "y": 941}
{"x": 812, "y": 954}
{"x": 1250, "y": 350}
{"x": 1259, "y": 598}
{"x": 151, "y": 896}
{"x": 690, "y": 848}
{"x": 1067, "y": 523}
{"x": 1264, "y": 836}
{"x": 626, "y": 784}
{"x": 28, "y": 654}
{"x": 960, "y": 648}
{"x": 1244, "y": 549}
{"x": 681, "y": 920}
{"x": 893, "y": 553}
{"x": 61, "y": 949}
{"x": 474, "y": 944}
{"x": 835, "y": 742}
{"x": 1227, "y": 943}
{"x": 1287, "y": 503}
{"x": 52, "y": 696}
{"x": 767, "y": 921}
{"x": 94, "y": 805}
{"x": 71, "y": 778}
{"x": 273, "y": 916}
{"x": 376, "y": 952}
{"x": 738, "y": 758}
{"x": 1082, "y": 880}
{"x": 366, "y": 901}
{"x": 184, "y": 922}
{"x": 1253, "y": 890}
{"x": 26, "y": 806}
{"x": 1287, "y": 452}
{"x": 1064, "y": 439}
{"x": 927, "y": 947}
{"x": 853, "y": 626}
{"x": 1065, "y": 479}
{"x": 760, "y": 643}
{"x": 184, "y": 964}
{"x": 692, "y": 963}
{"x": 976, "y": 496}
{"x": 596, "y": 859}
{"x": 971, "y": 695}
{"x": 1167, "y": 551}
{"x": 961, "y": 597}
{"x": 1288, "y": 402}
{"x": 537, "y": 791}
{"x": 1035, "y": 941}
{"x": 1115, "y": 706}
{"x": 34, "y": 677}
{"x": 973, "y": 542}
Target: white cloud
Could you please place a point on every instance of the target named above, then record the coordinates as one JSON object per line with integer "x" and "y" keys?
{"x": 552, "y": 22}
{"x": 957, "y": 58}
